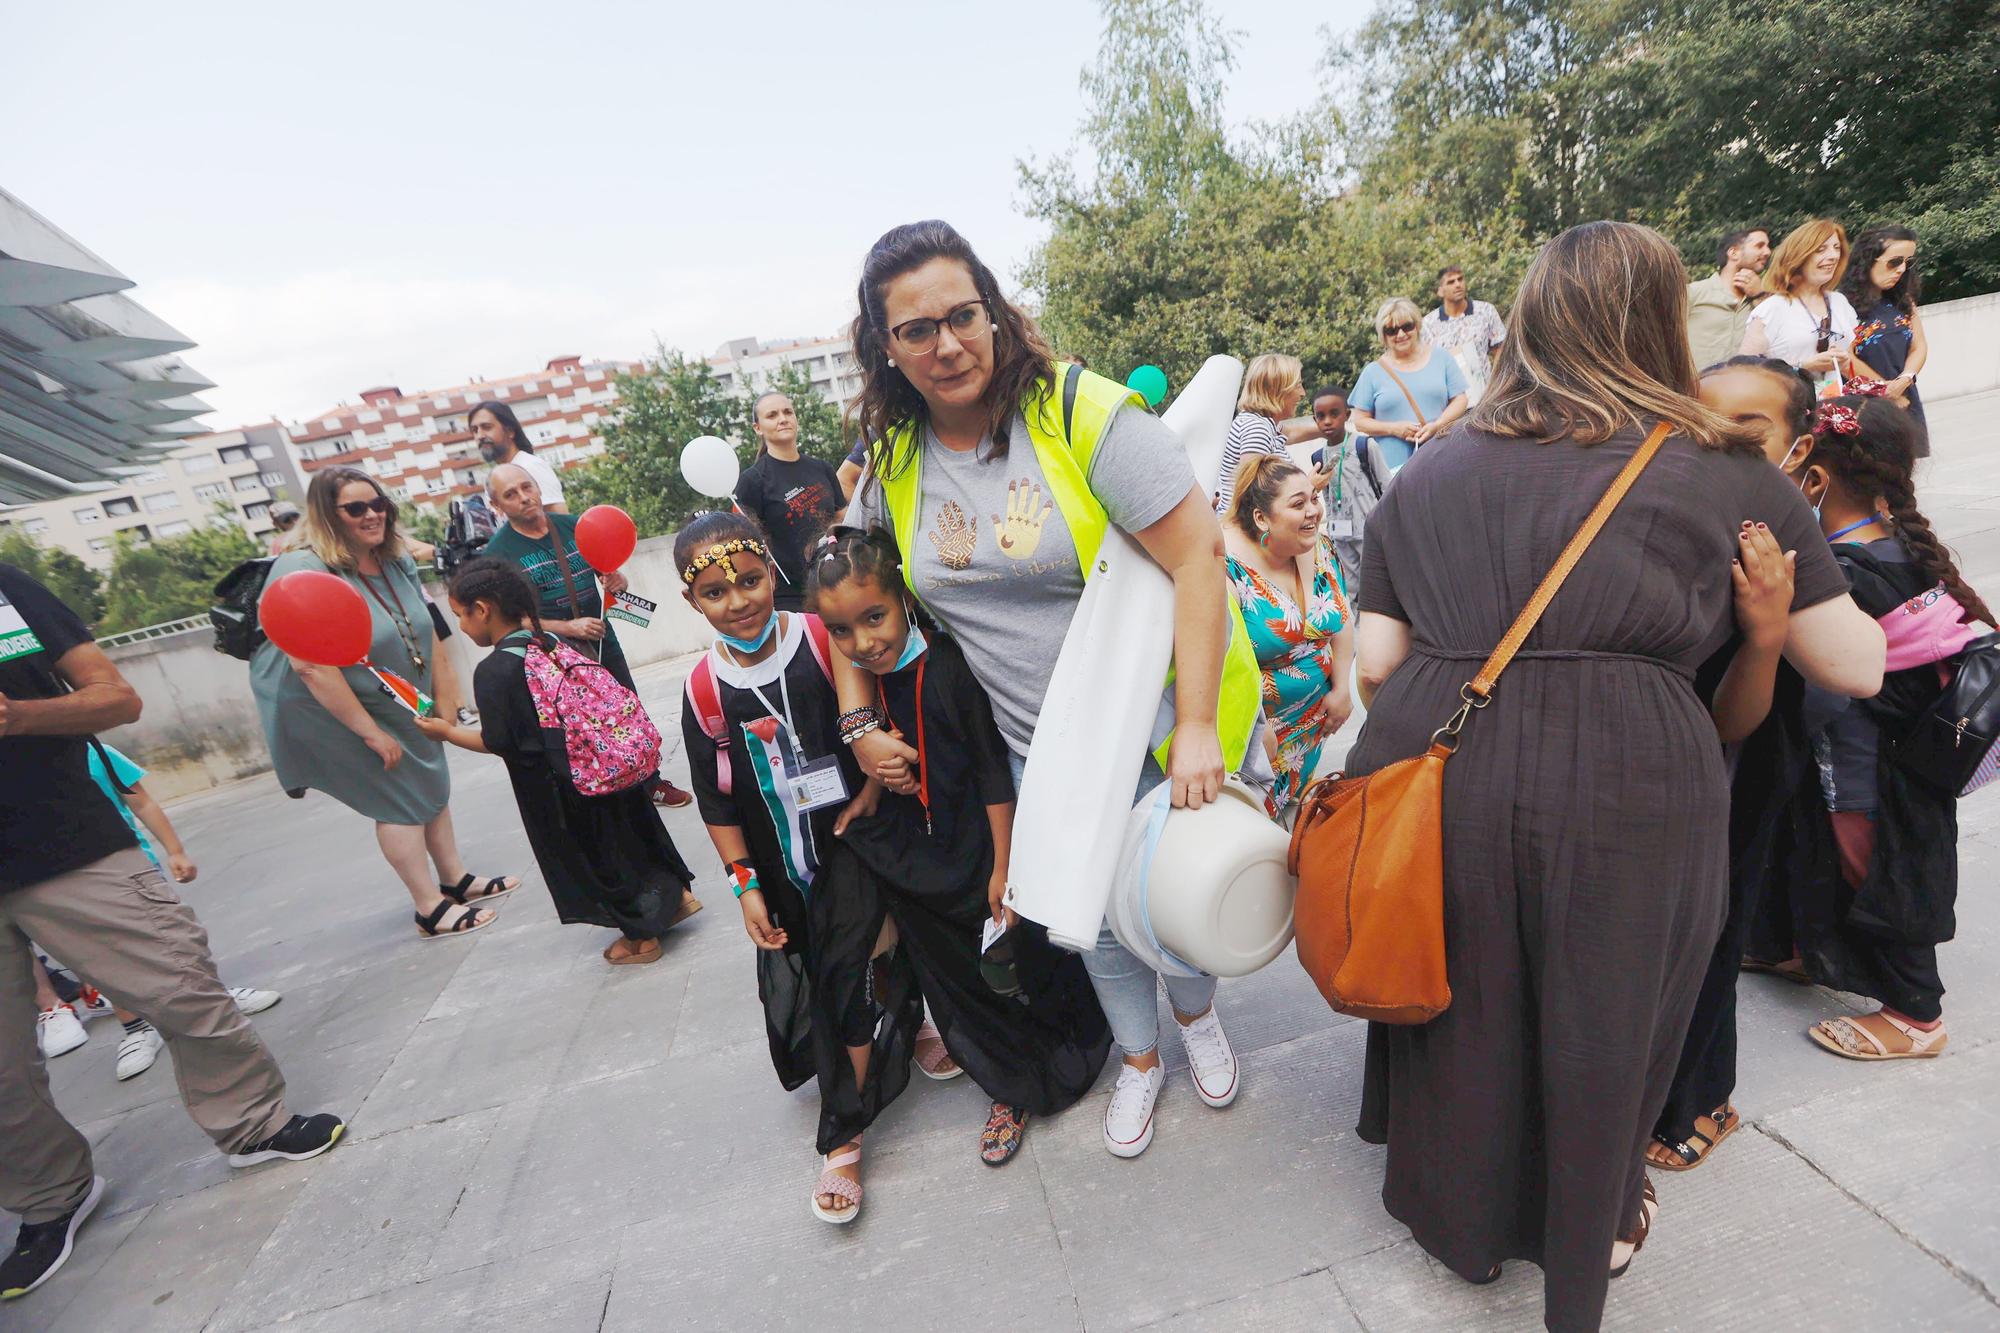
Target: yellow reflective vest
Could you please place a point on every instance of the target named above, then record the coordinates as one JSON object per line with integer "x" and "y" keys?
{"x": 1064, "y": 443}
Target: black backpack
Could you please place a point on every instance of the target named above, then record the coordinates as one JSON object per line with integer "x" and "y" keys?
{"x": 1950, "y": 749}
{"x": 234, "y": 614}
{"x": 470, "y": 526}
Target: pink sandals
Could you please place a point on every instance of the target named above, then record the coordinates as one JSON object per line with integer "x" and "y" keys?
{"x": 830, "y": 1182}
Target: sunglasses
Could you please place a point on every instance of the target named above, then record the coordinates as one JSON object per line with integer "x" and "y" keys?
{"x": 1902, "y": 262}
{"x": 363, "y": 508}
{"x": 1825, "y": 332}
{"x": 1393, "y": 330}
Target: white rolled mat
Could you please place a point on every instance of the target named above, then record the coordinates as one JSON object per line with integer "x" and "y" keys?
{"x": 1103, "y": 700}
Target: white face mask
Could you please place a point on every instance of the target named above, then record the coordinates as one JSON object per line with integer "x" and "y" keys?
{"x": 1785, "y": 464}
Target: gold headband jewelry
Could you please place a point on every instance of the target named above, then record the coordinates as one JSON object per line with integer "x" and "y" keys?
{"x": 719, "y": 554}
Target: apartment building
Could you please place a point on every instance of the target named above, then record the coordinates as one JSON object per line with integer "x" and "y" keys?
{"x": 748, "y": 363}
{"x": 419, "y": 447}
{"x": 228, "y": 477}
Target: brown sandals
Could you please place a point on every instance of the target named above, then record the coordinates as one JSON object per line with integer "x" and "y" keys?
{"x": 1631, "y": 1241}
{"x": 1877, "y": 1036}
{"x": 1709, "y": 1130}
{"x": 637, "y": 952}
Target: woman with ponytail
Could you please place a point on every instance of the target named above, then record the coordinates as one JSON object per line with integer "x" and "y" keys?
{"x": 1884, "y": 896}
{"x": 1297, "y": 618}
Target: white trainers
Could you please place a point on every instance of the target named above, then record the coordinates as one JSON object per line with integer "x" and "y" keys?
{"x": 138, "y": 1051}
{"x": 1210, "y": 1060}
{"x": 1128, "y": 1120}
{"x": 93, "y": 1003}
{"x": 253, "y": 1001}
{"x": 59, "y": 1031}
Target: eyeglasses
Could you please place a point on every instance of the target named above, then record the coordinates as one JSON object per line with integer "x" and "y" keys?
{"x": 363, "y": 508}
{"x": 918, "y": 337}
{"x": 1393, "y": 330}
{"x": 1901, "y": 262}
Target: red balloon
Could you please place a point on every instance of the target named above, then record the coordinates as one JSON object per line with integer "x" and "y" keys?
{"x": 316, "y": 617}
{"x": 605, "y": 536}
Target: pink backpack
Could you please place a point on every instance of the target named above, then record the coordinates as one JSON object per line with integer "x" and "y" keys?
{"x": 611, "y": 743}
{"x": 706, "y": 700}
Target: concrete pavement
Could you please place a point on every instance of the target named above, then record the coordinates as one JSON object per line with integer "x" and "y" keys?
{"x": 539, "y": 1142}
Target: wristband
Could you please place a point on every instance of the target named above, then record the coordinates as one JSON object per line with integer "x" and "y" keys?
{"x": 745, "y": 877}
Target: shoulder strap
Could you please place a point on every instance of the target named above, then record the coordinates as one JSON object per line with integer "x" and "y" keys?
{"x": 1552, "y": 582}
{"x": 1071, "y": 378}
{"x": 706, "y": 701}
{"x": 110, "y": 769}
{"x": 1408, "y": 397}
{"x": 816, "y": 639}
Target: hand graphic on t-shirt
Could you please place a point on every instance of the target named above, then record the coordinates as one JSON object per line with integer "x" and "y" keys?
{"x": 1021, "y": 531}
{"x": 953, "y": 536}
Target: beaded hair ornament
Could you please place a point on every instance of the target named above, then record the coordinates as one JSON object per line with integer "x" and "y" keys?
{"x": 1837, "y": 419}
{"x": 719, "y": 554}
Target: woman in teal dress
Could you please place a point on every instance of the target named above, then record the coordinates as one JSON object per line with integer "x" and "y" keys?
{"x": 335, "y": 729}
{"x": 1296, "y": 615}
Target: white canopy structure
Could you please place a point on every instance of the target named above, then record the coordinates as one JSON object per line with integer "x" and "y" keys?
{"x": 89, "y": 379}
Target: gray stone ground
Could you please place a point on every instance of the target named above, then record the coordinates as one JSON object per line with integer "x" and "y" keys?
{"x": 541, "y": 1142}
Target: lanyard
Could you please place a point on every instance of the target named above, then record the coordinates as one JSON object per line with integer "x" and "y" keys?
{"x": 923, "y": 757}
{"x": 1852, "y": 527}
{"x": 784, "y": 693}
{"x": 404, "y": 629}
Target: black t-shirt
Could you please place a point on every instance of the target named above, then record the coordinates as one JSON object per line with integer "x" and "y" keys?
{"x": 795, "y": 502}
{"x": 53, "y": 818}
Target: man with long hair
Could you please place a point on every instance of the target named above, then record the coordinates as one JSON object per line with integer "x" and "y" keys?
{"x": 502, "y": 441}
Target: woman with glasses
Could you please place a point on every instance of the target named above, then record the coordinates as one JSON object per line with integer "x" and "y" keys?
{"x": 334, "y": 729}
{"x": 1889, "y": 341}
{"x": 1806, "y": 320}
{"x": 1272, "y": 388}
{"x": 998, "y": 471}
{"x": 1412, "y": 392}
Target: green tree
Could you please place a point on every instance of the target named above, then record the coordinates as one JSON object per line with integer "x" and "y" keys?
{"x": 660, "y": 409}
{"x": 75, "y": 584}
{"x": 1692, "y": 116}
{"x": 424, "y": 523}
{"x": 171, "y": 578}
{"x": 1181, "y": 243}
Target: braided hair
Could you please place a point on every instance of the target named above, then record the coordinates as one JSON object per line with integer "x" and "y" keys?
{"x": 1798, "y": 387}
{"x": 854, "y": 553}
{"x": 499, "y": 583}
{"x": 1867, "y": 444}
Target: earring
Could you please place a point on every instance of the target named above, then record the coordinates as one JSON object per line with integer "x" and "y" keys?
{"x": 1264, "y": 538}
{"x": 892, "y": 360}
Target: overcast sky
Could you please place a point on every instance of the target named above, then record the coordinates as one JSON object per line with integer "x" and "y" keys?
{"x": 329, "y": 197}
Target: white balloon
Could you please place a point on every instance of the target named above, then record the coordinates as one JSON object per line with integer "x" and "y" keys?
{"x": 709, "y": 464}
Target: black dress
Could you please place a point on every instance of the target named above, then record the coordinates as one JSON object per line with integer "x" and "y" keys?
{"x": 813, "y": 1011}
{"x": 1039, "y": 1051}
{"x": 608, "y": 860}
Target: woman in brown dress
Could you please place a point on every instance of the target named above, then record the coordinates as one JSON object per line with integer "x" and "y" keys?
{"x": 1586, "y": 809}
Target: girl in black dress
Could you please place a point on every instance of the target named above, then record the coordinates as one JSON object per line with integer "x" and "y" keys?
{"x": 1029, "y": 1030}
{"x": 777, "y": 790}
{"x": 608, "y": 860}
{"x": 1885, "y": 896}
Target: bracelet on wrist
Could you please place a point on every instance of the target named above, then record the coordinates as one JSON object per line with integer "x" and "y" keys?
{"x": 856, "y": 723}
{"x": 743, "y": 877}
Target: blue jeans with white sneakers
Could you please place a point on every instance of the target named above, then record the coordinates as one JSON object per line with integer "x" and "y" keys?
{"x": 1127, "y": 988}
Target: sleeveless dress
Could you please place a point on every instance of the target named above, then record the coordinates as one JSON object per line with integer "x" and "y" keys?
{"x": 1585, "y": 831}
{"x": 1294, "y": 647}
{"x": 1882, "y": 339}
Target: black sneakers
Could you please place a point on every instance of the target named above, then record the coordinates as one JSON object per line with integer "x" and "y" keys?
{"x": 303, "y": 1136}
{"x": 43, "y": 1247}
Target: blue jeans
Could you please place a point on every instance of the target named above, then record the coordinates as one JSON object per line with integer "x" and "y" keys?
{"x": 1126, "y": 987}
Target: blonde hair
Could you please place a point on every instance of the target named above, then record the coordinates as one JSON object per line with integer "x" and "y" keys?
{"x": 1789, "y": 260}
{"x": 1259, "y": 478}
{"x": 319, "y": 529}
{"x": 1598, "y": 342}
{"x": 1394, "y": 308}
{"x": 1267, "y": 386}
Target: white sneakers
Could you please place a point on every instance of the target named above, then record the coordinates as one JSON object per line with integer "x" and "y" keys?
{"x": 1210, "y": 1060}
{"x": 138, "y": 1050}
{"x": 1128, "y": 1120}
{"x": 253, "y": 1001}
{"x": 59, "y": 1031}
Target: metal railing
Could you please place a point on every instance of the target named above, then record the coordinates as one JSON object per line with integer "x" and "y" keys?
{"x": 171, "y": 627}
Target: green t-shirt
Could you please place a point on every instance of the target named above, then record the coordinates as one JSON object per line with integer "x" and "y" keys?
{"x": 537, "y": 558}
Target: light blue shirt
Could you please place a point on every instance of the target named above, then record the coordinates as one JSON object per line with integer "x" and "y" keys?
{"x": 1441, "y": 380}
{"x": 129, "y": 774}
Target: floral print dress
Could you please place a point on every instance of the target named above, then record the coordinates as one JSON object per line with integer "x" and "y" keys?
{"x": 1294, "y": 649}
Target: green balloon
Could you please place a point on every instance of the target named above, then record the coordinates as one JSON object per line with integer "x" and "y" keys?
{"x": 1150, "y": 382}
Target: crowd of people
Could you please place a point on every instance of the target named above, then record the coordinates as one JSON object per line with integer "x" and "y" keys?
{"x": 1692, "y": 770}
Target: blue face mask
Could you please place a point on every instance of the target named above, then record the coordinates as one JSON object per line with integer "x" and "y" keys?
{"x": 911, "y": 650}
{"x": 753, "y": 645}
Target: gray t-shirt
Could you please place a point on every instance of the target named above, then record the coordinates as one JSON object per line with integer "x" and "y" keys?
{"x": 995, "y": 562}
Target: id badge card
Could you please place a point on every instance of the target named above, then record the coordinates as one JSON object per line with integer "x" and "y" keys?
{"x": 16, "y": 639}
{"x": 817, "y": 785}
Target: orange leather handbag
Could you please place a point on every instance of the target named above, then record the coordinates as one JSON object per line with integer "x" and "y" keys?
{"x": 1369, "y": 851}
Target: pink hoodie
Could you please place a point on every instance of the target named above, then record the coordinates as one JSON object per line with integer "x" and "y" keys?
{"x": 1930, "y": 627}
